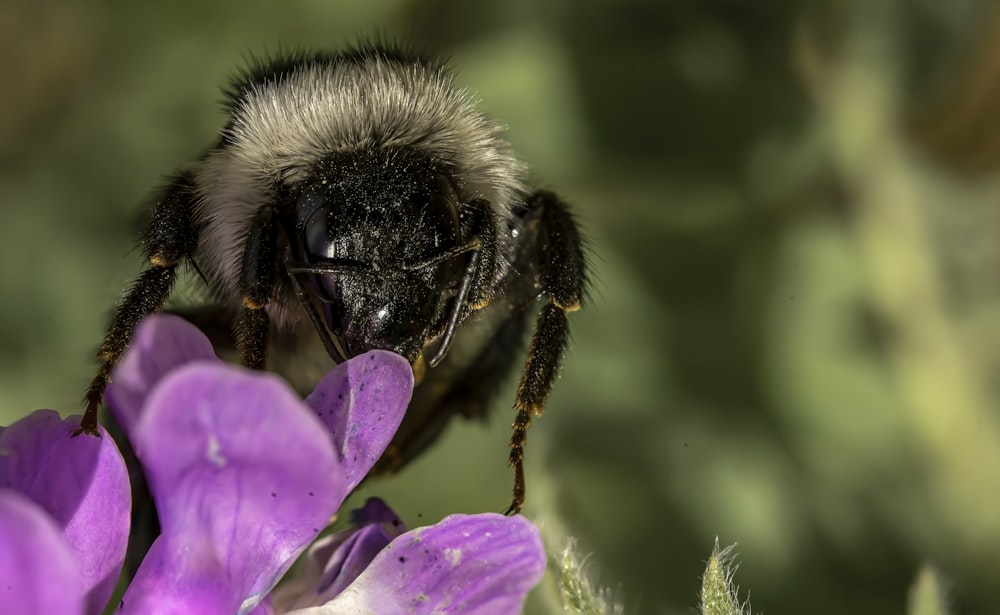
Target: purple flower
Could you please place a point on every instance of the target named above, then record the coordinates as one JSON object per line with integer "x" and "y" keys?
{"x": 483, "y": 564}
{"x": 40, "y": 573}
{"x": 245, "y": 475}
{"x": 64, "y": 516}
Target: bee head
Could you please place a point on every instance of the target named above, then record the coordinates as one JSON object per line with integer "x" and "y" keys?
{"x": 375, "y": 235}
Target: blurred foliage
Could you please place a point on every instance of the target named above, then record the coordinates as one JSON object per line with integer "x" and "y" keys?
{"x": 929, "y": 595}
{"x": 719, "y": 595}
{"x": 575, "y": 589}
{"x": 793, "y": 339}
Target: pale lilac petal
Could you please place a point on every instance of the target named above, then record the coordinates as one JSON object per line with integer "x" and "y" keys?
{"x": 38, "y": 571}
{"x": 362, "y": 402}
{"x": 376, "y": 525}
{"x": 355, "y": 554}
{"x": 244, "y": 477}
{"x": 335, "y": 561}
{"x": 264, "y": 607}
{"x": 160, "y": 344}
{"x": 82, "y": 484}
{"x": 482, "y": 564}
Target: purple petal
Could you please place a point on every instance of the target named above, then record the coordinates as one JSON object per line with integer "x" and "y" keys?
{"x": 38, "y": 571}
{"x": 483, "y": 564}
{"x": 264, "y": 607}
{"x": 362, "y": 402}
{"x": 243, "y": 476}
{"x": 82, "y": 484}
{"x": 335, "y": 561}
{"x": 376, "y": 525}
{"x": 376, "y": 511}
{"x": 161, "y": 343}
{"x": 351, "y": 559}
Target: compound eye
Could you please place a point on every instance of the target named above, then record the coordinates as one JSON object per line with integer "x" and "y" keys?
{"x": 440, "y": 219}
{"x": 319, "y": 242}
{"x": 322, "y": 230}
{"x": 440, "y": 225}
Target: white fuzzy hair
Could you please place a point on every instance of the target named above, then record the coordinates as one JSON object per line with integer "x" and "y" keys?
{"x": 283, "y": 126}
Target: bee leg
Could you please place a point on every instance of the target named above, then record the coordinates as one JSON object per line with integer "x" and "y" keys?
{"x": 256, "y": 286}
{"x": 461, "y": 388}
{"x": 481, "y": 289}
{"x": 474, "y": 292}
{"x": 468, "y": 390}
{"x": 562, "y": 278}
{"x": 170, "y": 237}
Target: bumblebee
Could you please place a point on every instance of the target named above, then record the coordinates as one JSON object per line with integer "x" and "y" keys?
{"x": 359, "y": 201}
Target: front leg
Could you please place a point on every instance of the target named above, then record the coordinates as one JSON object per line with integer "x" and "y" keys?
{"x": 170, "y": 238}
{"x": 256, "y": 286}
{"x": 562, "y": 278}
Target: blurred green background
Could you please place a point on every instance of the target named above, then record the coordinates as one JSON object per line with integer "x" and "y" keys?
{"x": 793, "y": 341}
